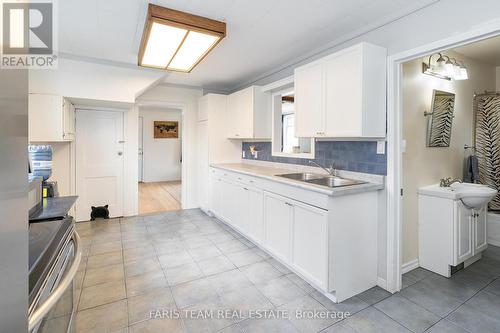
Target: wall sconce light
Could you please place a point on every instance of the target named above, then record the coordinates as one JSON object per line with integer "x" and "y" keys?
{"x": 445, "y": 68}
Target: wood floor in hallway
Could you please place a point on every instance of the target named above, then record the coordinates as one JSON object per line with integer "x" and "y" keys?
{"x": 159, "y": 197}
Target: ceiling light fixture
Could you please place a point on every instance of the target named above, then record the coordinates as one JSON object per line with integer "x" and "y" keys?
{"x": 444, "y": 67}
{"x": 177, "y": 41}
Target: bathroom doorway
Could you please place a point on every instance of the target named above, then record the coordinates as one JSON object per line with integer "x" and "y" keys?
{"x": 412, "y": 162}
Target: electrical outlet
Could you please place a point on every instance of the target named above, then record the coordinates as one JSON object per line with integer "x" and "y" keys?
{"x": 381, "y": 147}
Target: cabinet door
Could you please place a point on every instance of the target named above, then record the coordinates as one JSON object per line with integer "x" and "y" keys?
{"x": 245, "y": 112}
{"x": 202, "y": 166}
{"x": 215, "y": 195}
{"x": 232, "y": 116}
{"x": 463, "y": 234}
{"x": 240, "y": 208}
{"x": 310, "y": 242}
{"x": 277, "y": 221}
{"x": 255, "y": 215}
{"x": 480, "y": 224}
{"x": 344, "y": 93}
{"x": 309, "y": 104}
{"x": 226, "y": 201}
{"x": 45, "y": 118}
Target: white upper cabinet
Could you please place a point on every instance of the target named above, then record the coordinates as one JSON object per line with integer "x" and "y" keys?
{"x": 343, "y": 94}
{"x": 249, "y": 114}
{"x": 51, "y": 118}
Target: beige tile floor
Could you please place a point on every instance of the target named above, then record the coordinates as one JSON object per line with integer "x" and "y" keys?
{"x": 185, "y": 260}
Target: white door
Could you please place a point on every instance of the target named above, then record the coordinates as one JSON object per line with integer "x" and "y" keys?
{"x": 309, "y": 242}
{"x": 277, "y": 221}
{"x": 480, "y": 224}
{"x": 141, "y": 149}
{"x": 463, "y": 234}
{"x": 99, "y": 162}
{"x": 309, "y": 104}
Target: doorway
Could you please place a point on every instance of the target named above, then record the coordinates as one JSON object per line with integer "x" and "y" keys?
{"x": 140, "y": 140}
{"x": 397, "y": 145}
{"x": 99, "y": 164}
{"x": 160, "y": 159}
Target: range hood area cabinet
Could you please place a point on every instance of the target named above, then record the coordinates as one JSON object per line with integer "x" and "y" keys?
{"x": 342, "y": 95}
{"x": 249, "y": 114}
{"x": 51, "y": 118}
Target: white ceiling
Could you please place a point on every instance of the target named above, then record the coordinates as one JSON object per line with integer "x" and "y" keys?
{"x": 262, "y": 35}
{"x": 486, "y": 51}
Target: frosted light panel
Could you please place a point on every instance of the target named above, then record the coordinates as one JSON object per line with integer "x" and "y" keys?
{"x": 194, "y": 47}
{"x": 163, "y": 41}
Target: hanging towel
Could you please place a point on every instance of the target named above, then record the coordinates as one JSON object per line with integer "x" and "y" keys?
{"x": 471, "y": 169}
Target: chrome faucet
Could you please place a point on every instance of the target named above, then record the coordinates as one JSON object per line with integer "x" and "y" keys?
{"x": 446, "y": 182}
{"x": 331, "y": 170}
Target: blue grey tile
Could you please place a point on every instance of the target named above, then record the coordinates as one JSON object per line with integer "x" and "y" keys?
{"x": 374, "y": 295}
{"x": 373, "y": 320}
{"x": 358, "y": 156}
{"x": 445, "y": 326}
{"x": 407, "y": 313}
{"x": 479, "y": 314}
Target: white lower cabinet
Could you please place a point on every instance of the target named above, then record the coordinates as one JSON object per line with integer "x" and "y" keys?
{"x": 278, "y": 225}
{"x": 255, "y": 209}
{"x": 450, "y": 233}
{"x": 333, "y": 249}
{"x": 310, "y": 243}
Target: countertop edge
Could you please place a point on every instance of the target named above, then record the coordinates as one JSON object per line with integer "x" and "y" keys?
{"x": 340, "y": 191}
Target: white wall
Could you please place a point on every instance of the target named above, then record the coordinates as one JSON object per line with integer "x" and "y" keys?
{"x": 162, "y": 157}
{"x": 425, "y": 166}
{"x": 79, "y": 79}
{"x": 187, "y": 100}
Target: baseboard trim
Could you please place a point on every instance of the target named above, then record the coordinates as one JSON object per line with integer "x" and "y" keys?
{"x": 409, "y": 266}
{"x": 494, "y": 242}
{"x": 382, "y": 283}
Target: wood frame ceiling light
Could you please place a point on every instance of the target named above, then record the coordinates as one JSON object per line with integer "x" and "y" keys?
{"x": 177, "y": 41}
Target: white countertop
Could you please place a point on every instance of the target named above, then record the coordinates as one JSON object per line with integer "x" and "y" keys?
{"x": 436, "y": 191}
{"x": 271, "y": 172}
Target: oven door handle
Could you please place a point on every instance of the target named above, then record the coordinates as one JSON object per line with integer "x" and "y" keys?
{"x": 55, "y": 295}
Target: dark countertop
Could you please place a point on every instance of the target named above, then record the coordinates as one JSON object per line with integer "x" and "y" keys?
{"x": 56, "y": 207}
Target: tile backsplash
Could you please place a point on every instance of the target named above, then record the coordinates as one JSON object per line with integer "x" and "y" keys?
{"x": 358, "y": 156}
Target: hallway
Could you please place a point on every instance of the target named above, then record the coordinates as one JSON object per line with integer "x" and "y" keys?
{"x": 159, "y": 197}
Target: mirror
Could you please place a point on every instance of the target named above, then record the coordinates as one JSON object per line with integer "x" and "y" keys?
{"x": 284, "y": 142}
{"x": 441, "y": 119}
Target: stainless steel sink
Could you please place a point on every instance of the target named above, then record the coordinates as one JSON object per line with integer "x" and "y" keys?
{"x": 334, "y": 182}
{"x": 302, "y": 176}
{"x": 317, "y": 179}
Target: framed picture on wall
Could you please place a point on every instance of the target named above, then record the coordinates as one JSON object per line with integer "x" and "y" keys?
{"x": 166, "y": 129}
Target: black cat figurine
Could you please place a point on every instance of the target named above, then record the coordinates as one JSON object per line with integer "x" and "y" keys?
{"x": 101, "y": 211}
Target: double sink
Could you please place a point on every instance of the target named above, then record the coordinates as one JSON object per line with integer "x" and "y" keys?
{"x": 322, "y": 180}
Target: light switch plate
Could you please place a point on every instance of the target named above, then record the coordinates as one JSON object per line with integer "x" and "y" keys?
{"x": 381, "y": 147}
{"x": 243, "y": 154}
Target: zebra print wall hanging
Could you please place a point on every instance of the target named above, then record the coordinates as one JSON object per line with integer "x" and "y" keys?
{"x": 487, "y": 136}
{"x": 440, "y": 123}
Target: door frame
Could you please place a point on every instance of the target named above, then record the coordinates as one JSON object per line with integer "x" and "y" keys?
{"x": 74, "y": 151}
{"x": 185, "y": 160}
{"x": 395, "y": 136}
{"x": 141, "y": 123}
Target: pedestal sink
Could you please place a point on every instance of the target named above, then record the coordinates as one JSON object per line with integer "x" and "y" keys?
{"x": 473, "y": 196}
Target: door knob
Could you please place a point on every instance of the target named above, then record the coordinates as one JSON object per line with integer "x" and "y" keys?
{"x": 120, "y": 153}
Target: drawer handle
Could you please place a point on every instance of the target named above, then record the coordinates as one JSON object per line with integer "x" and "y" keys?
{"x": 288, "y": 204}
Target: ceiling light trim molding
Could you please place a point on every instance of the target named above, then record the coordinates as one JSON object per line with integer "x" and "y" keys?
{"x": 181, "y": 20}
